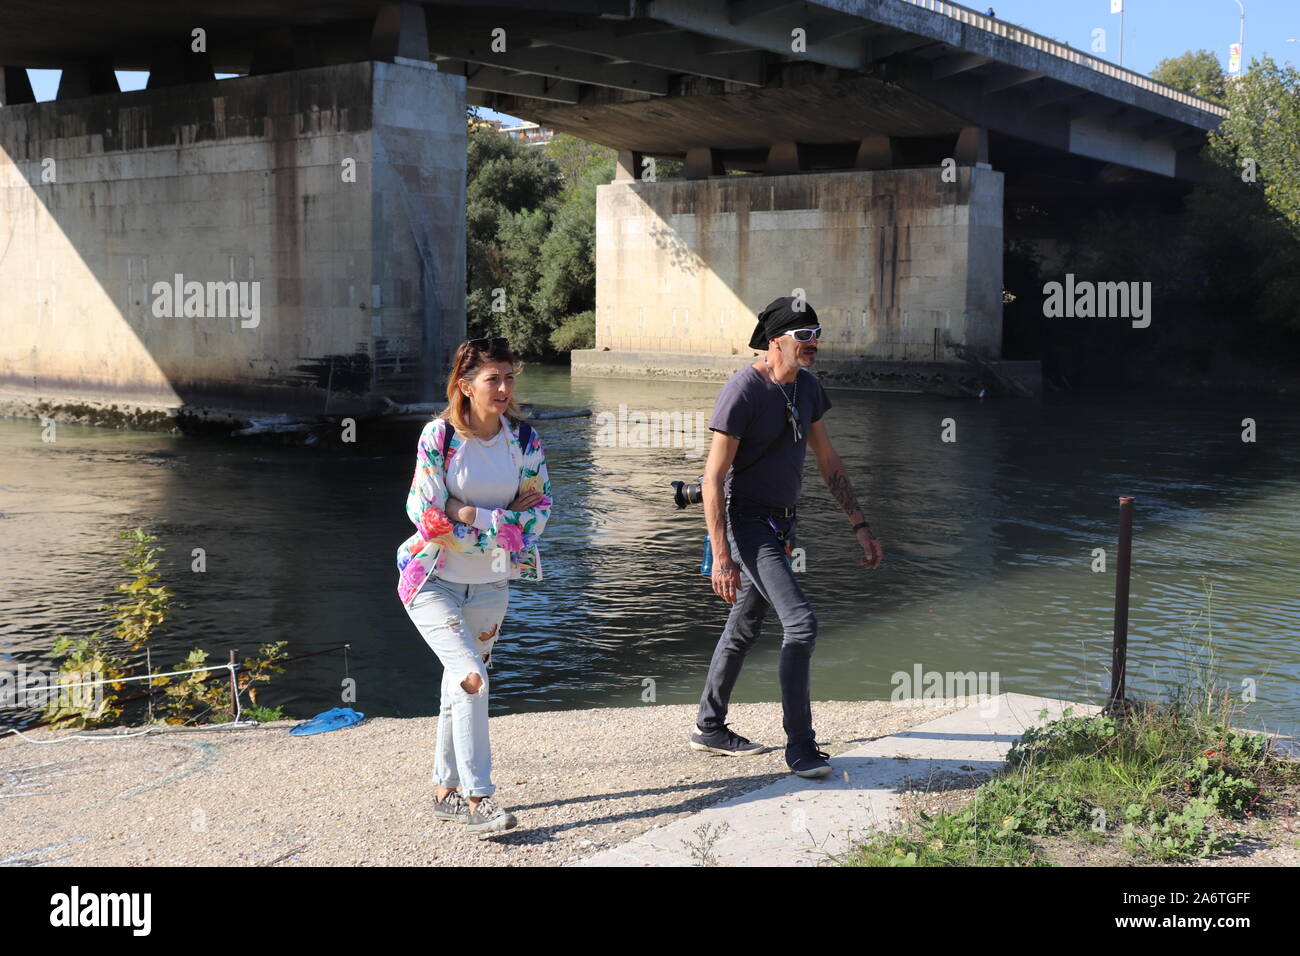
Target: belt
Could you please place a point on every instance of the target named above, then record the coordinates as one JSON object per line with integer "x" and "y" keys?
{"x": 750, "y": 506}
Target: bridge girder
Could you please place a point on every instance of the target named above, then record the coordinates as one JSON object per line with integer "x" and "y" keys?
{"x": 949, "y": 72}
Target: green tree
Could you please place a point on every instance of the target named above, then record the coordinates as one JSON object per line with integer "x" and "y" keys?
{"x": 567, "y": 279}
{"x": 1260, "y": 138}
{"x": 1229, "y": 268}
{"x": 510, "y": 192}
{"x": 1197, "y": 73}
{"x": 531, "y": 237}
{"x": 576, "y": 156}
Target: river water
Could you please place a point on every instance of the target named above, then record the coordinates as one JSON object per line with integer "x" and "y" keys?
{"x": 989, "y": 552}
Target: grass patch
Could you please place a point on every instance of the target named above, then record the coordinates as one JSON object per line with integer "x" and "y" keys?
{"x": 1159, "y": 782}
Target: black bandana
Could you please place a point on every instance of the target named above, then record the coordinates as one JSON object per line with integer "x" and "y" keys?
{"x": 779, "y": 317}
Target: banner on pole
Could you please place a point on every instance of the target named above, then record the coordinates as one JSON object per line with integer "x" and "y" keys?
{"x": 1116, "y": 6}
{"x": 1234, "y": 58}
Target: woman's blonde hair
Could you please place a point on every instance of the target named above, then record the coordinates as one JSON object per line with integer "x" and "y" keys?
{"x": 469, "y": 359}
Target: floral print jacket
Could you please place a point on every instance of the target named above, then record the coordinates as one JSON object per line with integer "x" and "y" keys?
{"x": 514, "y": 531}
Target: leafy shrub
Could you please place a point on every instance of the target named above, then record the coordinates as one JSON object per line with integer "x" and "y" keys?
{"x": 575, "y": 332}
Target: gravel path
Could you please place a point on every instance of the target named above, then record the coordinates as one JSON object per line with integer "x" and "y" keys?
{"x": 579, "y": 781}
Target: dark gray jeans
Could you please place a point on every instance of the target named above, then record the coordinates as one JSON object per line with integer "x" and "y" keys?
{"x": 765, "y": 581}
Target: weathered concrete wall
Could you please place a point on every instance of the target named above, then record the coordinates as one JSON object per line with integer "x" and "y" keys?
{"x": 889, "y": 259}
{"x": 359, "y": 278}
{"x": 904, "y": 375}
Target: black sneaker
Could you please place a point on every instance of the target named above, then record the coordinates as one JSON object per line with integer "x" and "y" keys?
{"x": 806, "y": 760}
{"x": 725, "y": 742}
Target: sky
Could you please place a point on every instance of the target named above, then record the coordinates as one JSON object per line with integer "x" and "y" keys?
{"x": 1153, "y": 30}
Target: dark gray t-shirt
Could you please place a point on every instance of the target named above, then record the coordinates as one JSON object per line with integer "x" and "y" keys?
{"x": 752, "y": 408}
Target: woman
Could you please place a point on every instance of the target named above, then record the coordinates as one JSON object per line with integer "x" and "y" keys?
{"x": 479, "y": 500}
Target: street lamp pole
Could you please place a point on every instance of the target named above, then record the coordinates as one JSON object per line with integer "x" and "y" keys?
{"x": 1121, "y": 34}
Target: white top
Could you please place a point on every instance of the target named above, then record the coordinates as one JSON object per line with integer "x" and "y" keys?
{"x": 483, "y": 474}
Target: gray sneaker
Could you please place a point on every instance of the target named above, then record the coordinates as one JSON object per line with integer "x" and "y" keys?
{"x": 452, "y": 807}
{"x": 488, "y": 818}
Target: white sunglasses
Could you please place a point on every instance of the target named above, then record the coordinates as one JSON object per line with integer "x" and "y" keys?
{"x": 804, "y": 335}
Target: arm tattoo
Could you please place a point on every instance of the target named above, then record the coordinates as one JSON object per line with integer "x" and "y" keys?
{"x": 842, "y": 491}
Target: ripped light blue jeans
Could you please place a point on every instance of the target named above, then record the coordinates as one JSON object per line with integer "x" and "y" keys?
{"x": 460, "y": 623}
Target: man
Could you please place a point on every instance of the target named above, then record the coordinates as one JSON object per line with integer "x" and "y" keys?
{"x": 765, "y": 418}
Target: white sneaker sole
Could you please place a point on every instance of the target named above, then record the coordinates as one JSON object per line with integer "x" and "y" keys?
{"x": 499, "y": 825}
{"x": 705, "y": 748}
{"x": 813, "y": 774}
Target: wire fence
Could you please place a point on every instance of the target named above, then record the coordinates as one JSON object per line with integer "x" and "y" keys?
{"x": 233, "y": 667}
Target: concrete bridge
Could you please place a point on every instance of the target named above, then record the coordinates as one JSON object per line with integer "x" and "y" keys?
{"x": 293, "y": 239}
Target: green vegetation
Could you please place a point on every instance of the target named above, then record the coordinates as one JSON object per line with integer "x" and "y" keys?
{"x": 205, "y": 696}
{"x": 1264, "y": 126}
{"x": 264, "y": 715}
{"x": 189, "y": 698}
{"x": 1166, "y": 783}
{"x": 1162, "y": 781}
{"x": 576, "y": 332}
{"x": 531, "y": 235}
{"x": 1224, "y": 263}
{"x": 531, "y": 239}
{"x": 1197, "y": 73}
{"x": 85, "y": 659}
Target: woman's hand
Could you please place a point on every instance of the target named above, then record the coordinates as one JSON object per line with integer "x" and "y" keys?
{"x": 457, "y": 510}
{"x": 526, "y": 500}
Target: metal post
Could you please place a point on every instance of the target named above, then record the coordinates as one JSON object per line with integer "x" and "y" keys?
{"x": 1241, "y": 36}
{"x": 1123, "y": 561}
{"x": 234, "y": 685}
{"x": 1121, "y": 36}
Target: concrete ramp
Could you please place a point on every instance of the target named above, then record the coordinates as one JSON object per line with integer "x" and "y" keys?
{"x": 797, "y": 822}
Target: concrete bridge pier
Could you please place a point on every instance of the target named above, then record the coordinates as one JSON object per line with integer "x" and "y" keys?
{"x": 898, "y": 263}
{"x": 288, "y": 241}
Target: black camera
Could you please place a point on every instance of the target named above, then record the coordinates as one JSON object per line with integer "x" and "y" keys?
{"x": 684, "y": 494}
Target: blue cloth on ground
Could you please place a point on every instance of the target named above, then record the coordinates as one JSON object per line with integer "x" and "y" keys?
{"x": 335, "y": 719}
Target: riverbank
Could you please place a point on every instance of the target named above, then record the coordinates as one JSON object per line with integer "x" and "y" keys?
{"x": 605, "y": 787}
{"x": 579, "y": 781}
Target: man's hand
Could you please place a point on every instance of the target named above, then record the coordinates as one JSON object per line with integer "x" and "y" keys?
{"x": 872, "y": 552}
{"x": 726, "y": 578}
{"x": 726, "y": 574}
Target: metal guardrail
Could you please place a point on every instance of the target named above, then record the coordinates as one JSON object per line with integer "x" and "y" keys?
{"x": 1039, "y": 42}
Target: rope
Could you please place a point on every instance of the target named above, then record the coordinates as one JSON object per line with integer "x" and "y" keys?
{"x": 60, "y": 740}
{"x": 149, "y": 731}
{"x": 123, "y": 680}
